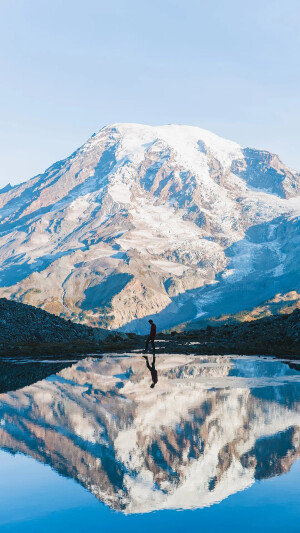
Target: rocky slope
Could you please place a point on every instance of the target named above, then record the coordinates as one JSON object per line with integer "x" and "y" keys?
{"x": 141, "y": 220}
{"x": 208, "y": 429}
{"x": 26, "y": 330}
{"x": 273, "y": 335}
{"x": 30, "y": 335}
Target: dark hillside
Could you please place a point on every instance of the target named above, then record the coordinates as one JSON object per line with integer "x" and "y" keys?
{"x": 274, "y": 335}
{"x": 27, "y": 330}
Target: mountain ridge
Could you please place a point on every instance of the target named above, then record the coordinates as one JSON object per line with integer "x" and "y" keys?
{"x": 143, "y": 221}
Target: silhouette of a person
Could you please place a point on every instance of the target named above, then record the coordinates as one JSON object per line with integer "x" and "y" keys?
{"x": 151, "y": 336}
{"x": 153, "y": 370}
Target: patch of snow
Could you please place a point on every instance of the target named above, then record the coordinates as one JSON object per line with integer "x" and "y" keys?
{"x": 120, "y": 192}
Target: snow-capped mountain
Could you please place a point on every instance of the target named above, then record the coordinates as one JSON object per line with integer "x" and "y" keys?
{"x": 210, "y": 427}
{"x": 141, "y": 220}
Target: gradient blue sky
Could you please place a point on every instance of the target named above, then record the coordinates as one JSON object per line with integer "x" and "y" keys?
{"x": 68, "y": 67}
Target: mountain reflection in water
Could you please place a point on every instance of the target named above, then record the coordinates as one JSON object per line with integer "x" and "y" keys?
{"x": 209, "y": 428}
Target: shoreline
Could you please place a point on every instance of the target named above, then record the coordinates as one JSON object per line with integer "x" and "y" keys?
{"x": 179, "y": 343}
{"x": 18, "y": 371}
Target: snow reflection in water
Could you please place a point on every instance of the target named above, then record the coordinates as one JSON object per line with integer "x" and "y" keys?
{"x": 209, "y": 428}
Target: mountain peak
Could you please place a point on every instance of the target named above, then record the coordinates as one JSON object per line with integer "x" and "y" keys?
{"x": 144, "y": 220}
{"x": 186, "y": 141}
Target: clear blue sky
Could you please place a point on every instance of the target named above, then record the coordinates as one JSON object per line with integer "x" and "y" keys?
{"x": 68, "y": 67}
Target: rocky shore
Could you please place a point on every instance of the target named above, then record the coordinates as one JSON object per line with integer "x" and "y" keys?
{"x": 35, "y": 344}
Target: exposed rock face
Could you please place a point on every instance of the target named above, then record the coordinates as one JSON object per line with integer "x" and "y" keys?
{"x": 264, "y": 171}
{"x": 208, "y": 429}
{"x": 142, "y": 220}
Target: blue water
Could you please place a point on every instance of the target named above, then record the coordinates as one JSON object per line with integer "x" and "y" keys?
{"x": 53, "y": 422}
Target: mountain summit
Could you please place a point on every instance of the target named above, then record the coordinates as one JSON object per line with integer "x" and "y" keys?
{"x": 170, "y": 220}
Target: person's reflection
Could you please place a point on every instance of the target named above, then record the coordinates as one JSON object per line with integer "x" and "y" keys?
{"x": 152, "y": 370}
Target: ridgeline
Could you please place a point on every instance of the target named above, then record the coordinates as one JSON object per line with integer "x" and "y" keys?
{"x": 277, "y": 335}
{"x": 27, "y": 330}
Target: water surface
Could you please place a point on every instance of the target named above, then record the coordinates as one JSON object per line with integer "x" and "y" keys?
{"x": 215, "y": 437}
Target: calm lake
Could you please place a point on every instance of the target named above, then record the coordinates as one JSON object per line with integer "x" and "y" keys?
{"x": 182, "y": 443}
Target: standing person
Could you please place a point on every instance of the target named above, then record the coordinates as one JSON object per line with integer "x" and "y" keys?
{"x": 151, "y": 336}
